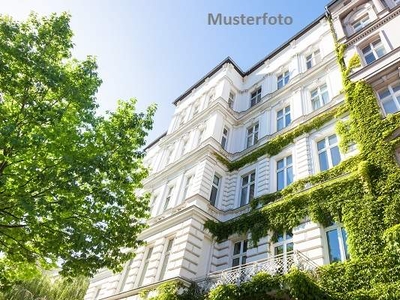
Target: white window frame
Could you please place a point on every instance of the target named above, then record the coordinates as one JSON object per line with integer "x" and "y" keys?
{"x": 145, "y": 265}
{"x": 225, "y": 138}
{"x": 328, "y": 149}
{"x": 343, "y": 249}
{"x": 282, "y": 79}
{"x": 318, "y": 98}
{"x": 284, "y": 169}
{"x": 166, "y": 257}
{"x": 373, "y": 49}
{"x": 312, "y": 59}
{"x": 393, "y": 97}
{"x": 253, "y": 136}
{"x": 284, "y": 243}
{"x": 363, "y": 21}
{"x": 196, "y": 108}
{"x": 242, "y": 255}
{"x": 231, "y": 99}
{"x": 200, "y": 136}
{"x": 255, "y": 96}
{"x": 250, "y": 185}
{"x": 188, "y": 185}
{"x": 168, "y": 198}
{"x": 285, "y": 112}
{"x": 215, "y": 186}
{"x": 185, "y": 143}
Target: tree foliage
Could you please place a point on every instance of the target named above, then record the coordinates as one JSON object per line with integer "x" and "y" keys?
{"x": 68, "y": 177}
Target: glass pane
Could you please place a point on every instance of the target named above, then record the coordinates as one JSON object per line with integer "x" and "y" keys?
{"x": 256, "y": 127}
{"x": 396, "y": 88}
{"x": 244, "y": 259}
{"x": 213, "y": 196}
{"x": 344, "y": 236}
{"x": 367, "y": 49}
{"x": 289, "y": 160}
{"x": 278, "y": 250}
{"x": 325, "y": 97}
{"x": 380, "y": 51}
{"x": 236, "y": 248}
{"x": 256, "y": 137}
{"x": 249, "y": 141}
{"x": 216, "y": 180}
{"x": 332, "y": 139}
{"x": 316, "y": 103}
{"x": 287, "y": 119}
{"x": 251, "y": 196}
{"x": 253, "y": 177}
{"x": 289, "y": 234}
{"x": 245, "y": 180}
{"x": 390, "y": 107}
{"x": 335, "y": 156}
{"x": 369, "y": 58}
{"x": 289, "y": 175}
{"x": 281, "y": 180}
{"x": 289, "y": 247}
{"x": 235, "y": 262}
{"x": 333, "y": 246}
{"x": 321, "y": 145}
{"x": 323, "y": 161}
{"x": 243, "y": 198}
{"x": 244, "y": 246}
{"x": 280, "y": 113}
{"x": 280, "y": 237}
{"x": 280, "y": 124}
{"x": 385, "y": 93}
{"x": 280, "y": 164}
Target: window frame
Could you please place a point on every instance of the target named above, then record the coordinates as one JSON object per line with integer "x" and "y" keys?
{"x": 328, "y": 150}
{"x": 284, "y": 169}
{"x": 373, "y": 50}
{"x": 225, "y": 138}
{"x": 315, "y": 58}
{"x": 255, "y": 96}
{"x": 145, "y": 265}
{"x": 188, "y": 184}
{"x": 321, "y": 101}
{"x": 343, "y": 247}
{"x": 283, "y": 117}
{"x": 253, "y": 135}
{"x": 231, "y": 99}
{"x": 166, "y": 257}
{"x": 363, "y": 24}
{"x": 249, "y": 186}
{"x": 394, "y": 95}
{"x": 215, "y": 187}
{"x": 282, "y": 79}
{"x": 168, "y": 197}
{"x": 242, "y": 255}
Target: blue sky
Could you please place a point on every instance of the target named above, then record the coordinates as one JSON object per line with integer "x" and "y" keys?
{"x": 154, "y": 50}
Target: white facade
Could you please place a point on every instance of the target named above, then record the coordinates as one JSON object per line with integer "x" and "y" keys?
{"x": 232, "y": 112}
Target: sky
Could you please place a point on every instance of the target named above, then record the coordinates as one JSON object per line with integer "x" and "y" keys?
{"x": 154, "y": 50}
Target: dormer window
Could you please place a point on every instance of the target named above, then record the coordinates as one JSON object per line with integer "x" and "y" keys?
{"x": 360, "y": 23}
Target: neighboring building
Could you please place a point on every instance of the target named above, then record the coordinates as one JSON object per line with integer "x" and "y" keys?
{"x": 233, "y": 112}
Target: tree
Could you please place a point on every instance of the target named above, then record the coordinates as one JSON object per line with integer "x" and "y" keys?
{"x": 69, "y": 178}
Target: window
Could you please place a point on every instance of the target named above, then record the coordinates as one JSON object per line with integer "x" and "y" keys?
{"x": 153, "y": 203}
{"x": 283, "y": 79}
{"x": 169, "y": 155}
{"x": 167, "y": 254}
{"x": 239, "y": 256}
{"x": 188, "y": 184}
{"x": 255, "y": 97}
{"x": 284, "y": 243}
{"x": 252, "y": 135}
{"x": 231, "y": 100}
{"x": 168, "y": 198}
{"x": 184, "y": 146}
{"x": 373, "y": 51}
{"x": 224, "y": 140}
{"x": 312, "y": 59}
{"x": 248, "y": 187}
{"x": 390, "y": 98}
{"x": 182, "y": 118}
{"x": 328, "y": 152}
{"x": 360, "y": 23}
{"x": 200, "y": 137}
{"x": 336, "y": 237}
{"x": 283, "y": 118}
{"x": 145, "y": 266}
{"x": 196, "y": 109}
{"x": 284, "y": 172}
{"x": 319, "y": 97}
{"x": 214, "y": 190}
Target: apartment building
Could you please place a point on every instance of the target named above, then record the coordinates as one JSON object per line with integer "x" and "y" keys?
{"x": 233, "y": 112}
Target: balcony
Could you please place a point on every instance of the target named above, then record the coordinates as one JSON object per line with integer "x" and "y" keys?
{"x": 280, "y": 264}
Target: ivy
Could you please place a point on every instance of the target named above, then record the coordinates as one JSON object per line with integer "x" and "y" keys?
{"x": 275, "y": 145}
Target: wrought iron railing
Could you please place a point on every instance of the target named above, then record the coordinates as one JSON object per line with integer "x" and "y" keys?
{"x": 279, "y": 264}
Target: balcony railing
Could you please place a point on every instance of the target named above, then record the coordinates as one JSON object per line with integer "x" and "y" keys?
{"x": 279, "y": 264}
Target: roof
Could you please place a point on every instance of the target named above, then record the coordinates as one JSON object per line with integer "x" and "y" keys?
{"x": 155, "y": 141}
{"x": 258, "y": 64}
